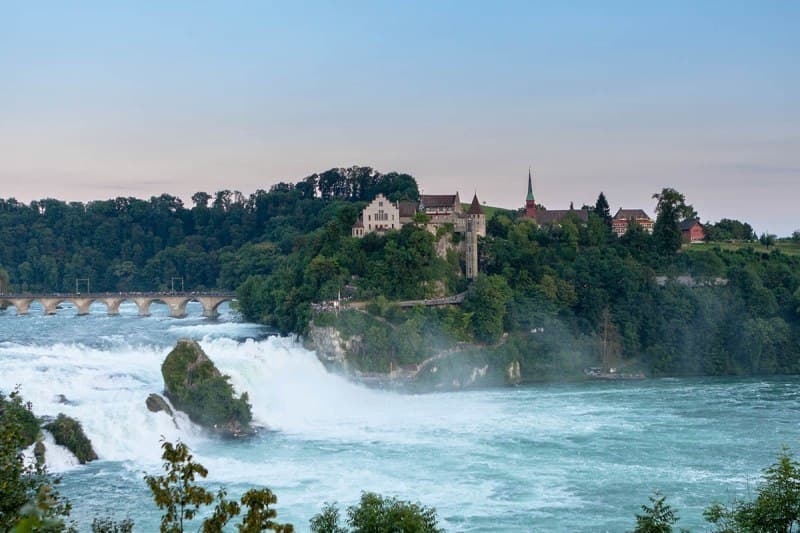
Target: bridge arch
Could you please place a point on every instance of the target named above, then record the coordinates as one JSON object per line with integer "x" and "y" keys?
{"x": 211, "y": 304}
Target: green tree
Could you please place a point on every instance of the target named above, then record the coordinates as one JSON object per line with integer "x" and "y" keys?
{"x": 671, "y": 209}
{"x": 658, "y": 517}
{"x": 179, "y": 495}
{"x": 602, "y": 210}
{"x": 767, "y": 239}
{"x": 259, "y": 515}
{"x": 28, "y": 499}
{"x": 378, "y": 514}
{"x": 109, "y": 525}
{"x": 487, "y": 300}
{"x": 176, "y": 492}
{"x": 327, "y": 520}
{"x": 776, "y": 507}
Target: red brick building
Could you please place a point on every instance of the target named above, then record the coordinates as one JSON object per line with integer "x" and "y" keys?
{"x": 544, "y": 216}
{"x": 692, "y": 231}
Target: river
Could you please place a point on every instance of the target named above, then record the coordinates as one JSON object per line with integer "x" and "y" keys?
{"x": 558, "y": 457}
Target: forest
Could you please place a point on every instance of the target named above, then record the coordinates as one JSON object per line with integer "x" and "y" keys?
{"x": 566, "y": 295}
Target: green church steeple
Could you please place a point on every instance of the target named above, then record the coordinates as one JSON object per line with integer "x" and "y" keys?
{"x": 530, "y": 187}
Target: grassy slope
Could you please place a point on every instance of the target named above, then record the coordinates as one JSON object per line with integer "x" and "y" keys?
{"x": 488, "y": 210}
{"x": 786, "y": 246}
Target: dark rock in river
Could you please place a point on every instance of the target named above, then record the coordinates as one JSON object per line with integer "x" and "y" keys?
{"x": 156, "y": 403}
{"x": 38, "y": 452}
{"x": 195, "y": 386}
{"x": 60, "y": 398}
{"x": 68, "y": 432}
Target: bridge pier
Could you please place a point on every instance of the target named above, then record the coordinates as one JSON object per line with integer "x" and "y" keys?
{"x": 112, "y": 305}
{"x": 83, "y": 305}
{"x": 22, "y": 305}
{"x": 143, "y": 304}
{"x": 50, "y": 305}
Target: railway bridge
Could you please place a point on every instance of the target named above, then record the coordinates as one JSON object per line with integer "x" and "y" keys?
{"x": 175, "y": 301}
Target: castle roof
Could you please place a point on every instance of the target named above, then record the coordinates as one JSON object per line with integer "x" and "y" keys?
{"x": 359, "y": 223}
{"x": 627, "y": 214}
{"x": 438, "y": 200}
{"x": 407, "y": 209}
{"x": 475, "y": 208}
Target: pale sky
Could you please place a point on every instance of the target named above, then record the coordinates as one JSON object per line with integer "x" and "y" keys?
{"x": 104, "y": 99}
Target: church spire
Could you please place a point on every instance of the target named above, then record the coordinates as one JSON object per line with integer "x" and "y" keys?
{"x": 530, "y": 187}
{"x": 530, "y": 202}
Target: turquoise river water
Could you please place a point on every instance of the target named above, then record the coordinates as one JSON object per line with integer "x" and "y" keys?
{"x": 559, "y": 457}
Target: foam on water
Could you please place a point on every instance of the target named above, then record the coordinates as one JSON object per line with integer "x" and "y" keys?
{"x": 57, "y": 458}
{"x": 558, "y": 457}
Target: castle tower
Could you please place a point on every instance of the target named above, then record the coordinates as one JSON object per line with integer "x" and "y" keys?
{"x": 530, "y": 202}
{"x": 476, "y": 227}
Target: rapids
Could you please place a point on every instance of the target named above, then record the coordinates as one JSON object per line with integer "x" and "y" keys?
{"x": 559, "y": 457}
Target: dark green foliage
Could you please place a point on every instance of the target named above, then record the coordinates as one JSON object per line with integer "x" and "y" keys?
{"x": 776, "y": 507}
{"x": 194, "y": 385}
{"x": 29, "y": 425}
{"x": 223, "y": 513}
{"x": 729, "y": 230}
{"x": 128, "y": 244}
{"x": 602, "y": 210}
{"x": 486, "y": 301}
{"x": 176, "y": 492}
{"x": 181, "y": 498}
{"x": 327, "y": 520}
{"x": 28, "y": 499}
{"x": 69, "y": 432}
{"x": 259, "y": 515}
{"x": 658, "y": 517}
{"x": 378, "y": 514}
{"x": 109, "y": 525}
{"x": 671, "y": 210}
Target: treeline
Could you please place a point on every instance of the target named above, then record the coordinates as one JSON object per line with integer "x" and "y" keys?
{"x": 131, "y": 244}
{"x": 569, "y": 294}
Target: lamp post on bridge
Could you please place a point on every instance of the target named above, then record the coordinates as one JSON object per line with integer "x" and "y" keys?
{"x": 78, "y": 281}
{"x": 173, "y": 284}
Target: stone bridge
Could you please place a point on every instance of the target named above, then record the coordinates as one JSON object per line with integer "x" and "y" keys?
{"x": 175, "y": 301}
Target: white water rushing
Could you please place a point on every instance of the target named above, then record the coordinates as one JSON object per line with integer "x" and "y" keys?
{"x": 546, "y": 458}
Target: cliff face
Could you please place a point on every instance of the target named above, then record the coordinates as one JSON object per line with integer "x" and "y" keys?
{"x": 331, "y": 346}
{"x": 459, "y": 366}
{"x": 195, "y": 386}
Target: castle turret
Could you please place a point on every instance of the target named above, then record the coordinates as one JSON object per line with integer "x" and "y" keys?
{"x": 476, "y": 227}
{"x": 530, "y": 202}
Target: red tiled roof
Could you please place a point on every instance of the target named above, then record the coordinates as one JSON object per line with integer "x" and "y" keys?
{"x": 438, "y": 200}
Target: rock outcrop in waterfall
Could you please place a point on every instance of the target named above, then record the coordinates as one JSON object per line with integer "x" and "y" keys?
{"x": 195, "y": 386}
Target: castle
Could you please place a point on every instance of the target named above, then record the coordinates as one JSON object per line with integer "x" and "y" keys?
{"x": 442, "y": 210}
